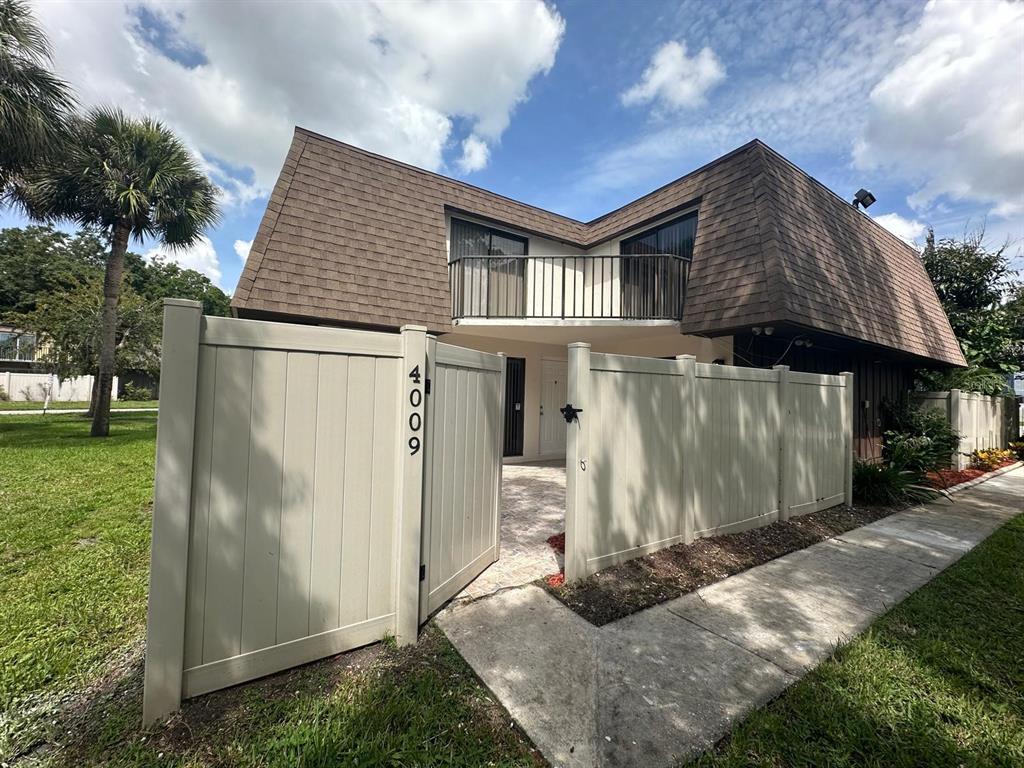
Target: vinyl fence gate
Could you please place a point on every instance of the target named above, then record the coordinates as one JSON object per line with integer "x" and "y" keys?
{"x": 317, "y": 489}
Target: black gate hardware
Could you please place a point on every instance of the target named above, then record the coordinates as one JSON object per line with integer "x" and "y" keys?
{"x": 570, "y": 413}
{"x": 428, "y": 386}
{"x": 423, "y": 572}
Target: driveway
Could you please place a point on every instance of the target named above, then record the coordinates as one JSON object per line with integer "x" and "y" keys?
{"x": 659, "y": 686}
{"x": 532, "y": 510}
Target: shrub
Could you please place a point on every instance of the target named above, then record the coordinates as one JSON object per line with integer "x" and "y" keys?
{"x": 885, "y": 483}
{"x": 137, "y": 392}
{"x": 4, "y": 397}
{"x": 918, "y": 439}
{"x": 991, "y": 459}
{"x": 1017, "y": 448}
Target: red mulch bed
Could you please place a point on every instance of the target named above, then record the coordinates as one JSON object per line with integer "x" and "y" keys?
{"x": 947, "y": 478}
{"x": 557, "y": 542}
{"x": 647, "y": 581}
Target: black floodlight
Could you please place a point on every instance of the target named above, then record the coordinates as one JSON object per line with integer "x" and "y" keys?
{"x": 863, "y": 199}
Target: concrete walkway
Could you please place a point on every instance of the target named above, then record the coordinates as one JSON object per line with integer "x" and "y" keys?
{"x": 663, "y": 684}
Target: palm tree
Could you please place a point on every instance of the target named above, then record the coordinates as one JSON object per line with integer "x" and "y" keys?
{"x": 34, "y": 104}
{"x": 128, "y": 178}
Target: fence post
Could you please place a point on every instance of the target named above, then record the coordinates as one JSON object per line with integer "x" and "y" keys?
{"x": 500, "y": 438}
{"x": 172, "y": 507}
{"x": 411, "y": 448}
{"x": 848, "y": 435}
{"x": 955, "y": 412}
{"x": 577, "y": 452}
{"x": 783, "y": 426}
{"x": 689, "y": 443}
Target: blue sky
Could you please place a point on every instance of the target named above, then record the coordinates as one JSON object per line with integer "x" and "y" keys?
{"x": 577, "y": 106}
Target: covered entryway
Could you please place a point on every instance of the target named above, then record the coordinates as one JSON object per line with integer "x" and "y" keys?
{"x": 532, "y": 511}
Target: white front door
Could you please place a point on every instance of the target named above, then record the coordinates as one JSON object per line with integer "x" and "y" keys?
{"x": 552, "y": 398}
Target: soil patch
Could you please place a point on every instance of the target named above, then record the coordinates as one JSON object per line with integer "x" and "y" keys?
{"x": 669, "y": 573}
{"x": 947, "y": 478}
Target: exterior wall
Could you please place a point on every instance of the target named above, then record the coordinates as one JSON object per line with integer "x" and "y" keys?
{"x": 705, "y": 350}
{"x": 876, "y": 379}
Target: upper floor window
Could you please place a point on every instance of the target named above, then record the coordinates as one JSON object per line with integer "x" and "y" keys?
{"x": 653, "y": 286}
{"x": 488, "y": 285}
{"x": 675, "y": 237}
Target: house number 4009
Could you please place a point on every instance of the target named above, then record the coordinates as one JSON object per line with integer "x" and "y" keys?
{"x": 415, "y": 418}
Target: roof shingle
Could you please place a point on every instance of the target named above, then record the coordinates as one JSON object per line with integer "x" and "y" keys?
{"x": 349, "y": 236}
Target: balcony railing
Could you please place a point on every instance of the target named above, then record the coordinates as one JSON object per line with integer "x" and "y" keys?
{"x": 18, "y": 349}
{"x": 620, "y": 287}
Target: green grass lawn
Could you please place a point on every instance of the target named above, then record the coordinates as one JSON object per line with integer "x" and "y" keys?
{"x": 938, "y": 681}
{"x": 37, "y": 405}
{"x": 74, "y": 555}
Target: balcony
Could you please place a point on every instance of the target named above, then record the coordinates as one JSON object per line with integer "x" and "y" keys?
{"x": 647, "y": 287}
{"x": 17, "y": 347}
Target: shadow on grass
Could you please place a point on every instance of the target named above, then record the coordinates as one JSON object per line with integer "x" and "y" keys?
{"x": 63, "y": 431}
{"x": 378, "y": 705}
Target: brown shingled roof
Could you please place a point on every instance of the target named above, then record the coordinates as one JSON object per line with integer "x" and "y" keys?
{"x": 350, "y": 236}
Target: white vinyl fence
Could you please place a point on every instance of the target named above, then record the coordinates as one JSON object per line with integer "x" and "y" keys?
{"x": 663, "y": 451}
{"x": 34, "y": 387}
{"x": 983, "y": 421}
{"x": 289, "y": 494}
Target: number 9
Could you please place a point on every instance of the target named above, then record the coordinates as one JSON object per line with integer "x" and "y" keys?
{"x": 414, "y": 446}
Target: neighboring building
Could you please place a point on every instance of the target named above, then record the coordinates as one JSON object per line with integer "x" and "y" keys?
{"x": 783, "y": 272}
{"x": 17, "y": 349}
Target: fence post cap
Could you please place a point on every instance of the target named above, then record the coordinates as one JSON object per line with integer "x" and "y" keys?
{"x": 187, "y": 303}
{"x": 686, "y": 357}
{"x": 780, "y": 367}
{"x": 580, "y": 345}
{"x": 413, "y": 328}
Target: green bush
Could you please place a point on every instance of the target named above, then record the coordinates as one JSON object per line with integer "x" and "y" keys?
{"x": 136, "y": 392}
{"x": 885, "y": 483}
{"x": 918, "y": 439}
{"x": 4, "y": 397}
{"x": 1017, "y": 448}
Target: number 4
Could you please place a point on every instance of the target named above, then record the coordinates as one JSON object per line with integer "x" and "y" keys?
{"x": 414, "y": 374}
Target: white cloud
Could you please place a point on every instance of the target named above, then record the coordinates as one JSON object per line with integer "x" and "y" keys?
{"x": 242, "y": 248}
{"x": 202, "y": 257}
{"x": 907, "y": 230}
{"x": 675, "y": 80}
{"x": 949, "y": 116}
{"x": 233, "y": 80}
{"x": 475, "y": 154}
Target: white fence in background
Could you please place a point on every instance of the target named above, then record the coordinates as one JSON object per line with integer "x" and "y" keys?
{"x": 667, "y": 450}
{"x": 983, "y": 421}
{"x": 33, "y": 387}
{"x": 289, "y": 499}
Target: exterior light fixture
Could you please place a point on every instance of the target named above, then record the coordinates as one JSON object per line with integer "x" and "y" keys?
{"x": 756, "y": 330}
{"x": 769, "y": 330}
{"x": 863, "y": 199}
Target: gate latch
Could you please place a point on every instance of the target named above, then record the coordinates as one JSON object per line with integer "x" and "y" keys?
{"x": 569, "y": 412}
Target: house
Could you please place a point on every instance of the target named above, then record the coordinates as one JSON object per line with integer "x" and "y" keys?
{"x": 17, "y": 349}
{"x": 746, "y": 260}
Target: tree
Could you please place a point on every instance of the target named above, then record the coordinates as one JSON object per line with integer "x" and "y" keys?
{"x": 38, "y": 261}
{"x": 127, "y": 178}
{"x": 979, "y": 293}
{"x": 157, "y": 279}
{"x": 34, "y": 104}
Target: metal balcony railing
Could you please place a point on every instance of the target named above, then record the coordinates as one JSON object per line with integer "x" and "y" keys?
{"x": 18, "y": 349}
{"x": 622, "y": 287}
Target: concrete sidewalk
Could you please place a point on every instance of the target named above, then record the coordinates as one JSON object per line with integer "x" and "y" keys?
{"x": 663, "y": 684}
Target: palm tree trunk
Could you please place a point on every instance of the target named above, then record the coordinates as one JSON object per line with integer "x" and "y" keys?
{"x": 108, "y": 329}
{"x": 94, "y": 396}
